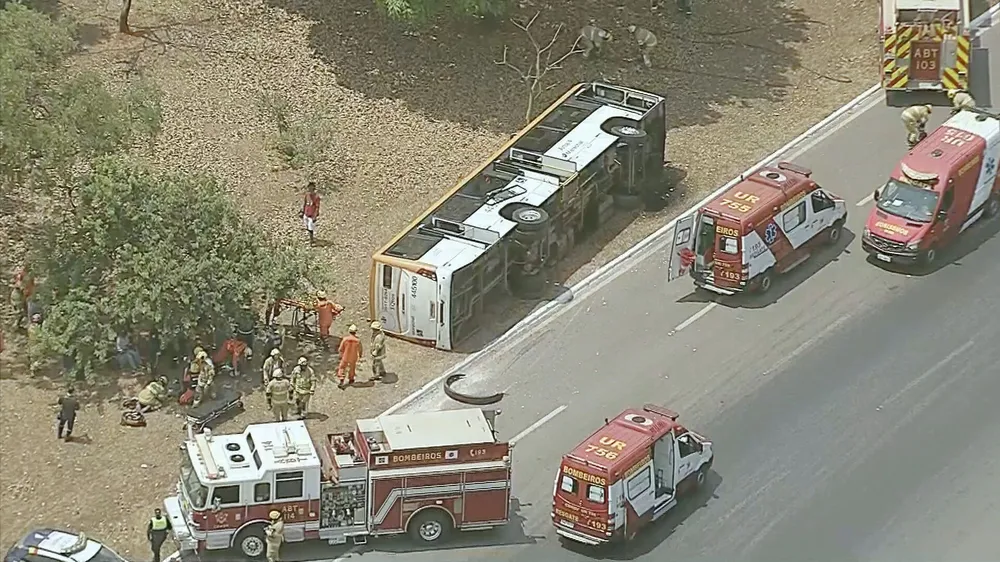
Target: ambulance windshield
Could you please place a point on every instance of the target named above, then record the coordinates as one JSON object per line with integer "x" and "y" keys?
{"x": 908, "y": 201}
{"x": 193, "y": 490}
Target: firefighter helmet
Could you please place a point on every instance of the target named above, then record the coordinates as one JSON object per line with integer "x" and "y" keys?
{"x": 274, "y": 515}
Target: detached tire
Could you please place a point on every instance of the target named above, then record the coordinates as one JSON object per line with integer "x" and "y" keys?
{"x": 431, "y": 526}
{"x": 250, "y": 543}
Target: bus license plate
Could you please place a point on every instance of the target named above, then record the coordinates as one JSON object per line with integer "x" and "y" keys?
{"x": 884, "y": 258}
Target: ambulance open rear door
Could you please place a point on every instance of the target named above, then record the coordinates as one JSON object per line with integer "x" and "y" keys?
{"x": 681, "y": 256}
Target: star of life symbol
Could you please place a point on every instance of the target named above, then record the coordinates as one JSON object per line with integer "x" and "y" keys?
{"x": 991, "y": 165}
{"x": 770, "y": 233}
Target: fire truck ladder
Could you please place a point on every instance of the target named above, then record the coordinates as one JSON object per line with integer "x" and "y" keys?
{"x": 205, "y": 450}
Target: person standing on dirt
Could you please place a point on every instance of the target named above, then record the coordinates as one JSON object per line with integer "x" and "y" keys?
{"x": 310, "y": 211}
{"x": 350, "y": 354}
{"x": 21, "y": 292}
{"x": 278, "y": 393}
{"x": 378, "y": 351}
{"x": 206, "y": 379}
{"x": 68, "y": 407}
{"x": 156, "y": 532}
{"x": 274, "y": 535}
{"x": 273, "y": 361}
{"x": 304, "y": 384}
{"x": 326, "y": 311}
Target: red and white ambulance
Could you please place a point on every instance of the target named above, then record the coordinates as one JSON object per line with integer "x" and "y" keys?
{"x": 767, "y": 224}
{"x": 941, "y": 187}
{"x": 627, "y": 474}
{"x": 425, "y": 474}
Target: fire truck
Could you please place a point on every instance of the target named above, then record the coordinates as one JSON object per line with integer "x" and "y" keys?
{"x": 926, "y": 45}
{"x": 426, "y": 474}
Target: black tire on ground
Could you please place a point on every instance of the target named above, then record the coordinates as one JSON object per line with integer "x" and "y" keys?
{"x": 627, "y": 202}
{"x": 834, "y": 232}
{"x": 430, "y": 526}
{"x": 530, "y": 218}
{"x": 250, "y": 543}
{"x": 992, "y": 207}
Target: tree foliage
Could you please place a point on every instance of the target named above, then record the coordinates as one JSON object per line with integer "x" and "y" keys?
{"x": 418, "y": 10}
{"x": 53, "y": 122}
{"x": 153, "y": 251}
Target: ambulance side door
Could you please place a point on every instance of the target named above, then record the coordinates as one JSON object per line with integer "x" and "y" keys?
{"x": 823, "y": 211}
{"x": 688, "y": 457}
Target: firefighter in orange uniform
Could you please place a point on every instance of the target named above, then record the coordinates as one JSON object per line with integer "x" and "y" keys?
{"x": 326, "y": 311}
{"x": 350, "y": 354}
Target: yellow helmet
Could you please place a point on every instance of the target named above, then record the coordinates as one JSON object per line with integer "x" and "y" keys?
{"x": 202, "y": 355}
{"x": 303, "y": 361}
{"x": 951, "y": 93}
{"x": 274, "y": 515}
{"x": 275, "y": 352}
{"x": 352, "y": 329}
{"x": 376, "y": 325}
{"x": 321, "y": 295}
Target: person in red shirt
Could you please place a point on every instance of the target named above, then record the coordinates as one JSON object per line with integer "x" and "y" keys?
{"x": 22, "y": 291}
{"x": 326, "y": 311}
{"x": 310, "y": 211}
{"x": 350, "y": 354}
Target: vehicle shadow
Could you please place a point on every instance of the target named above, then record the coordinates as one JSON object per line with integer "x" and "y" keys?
{"x": 783, "y": 284}
{"x": 447, "y": 68}
{"x": 967, "y": 243}
{"x": 649, "y": 539}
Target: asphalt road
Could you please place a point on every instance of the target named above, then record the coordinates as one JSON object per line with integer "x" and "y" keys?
{"x": 852, "y": 410}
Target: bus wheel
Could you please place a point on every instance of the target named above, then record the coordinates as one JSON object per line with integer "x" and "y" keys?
{"x": 530, "y": 218}
{"x": 250, "y": 542}
{"x": 430, "y": 526}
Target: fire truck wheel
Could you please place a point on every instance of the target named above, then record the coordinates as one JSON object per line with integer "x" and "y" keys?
{"x": 833, "y": 234}
{"x": 992, "y": 207}
{"x": 430, "y": 526}
{"x": 530, "y": 218}
{"x": 250, "y": 542}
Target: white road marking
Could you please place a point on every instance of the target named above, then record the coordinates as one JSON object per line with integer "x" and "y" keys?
{"x": 934, "y": 368}
{"x": 537, "y": 424}
{"x": 866, "y": 200}
{"x": 694, "y": 317}
{"x": 810, "y": 342}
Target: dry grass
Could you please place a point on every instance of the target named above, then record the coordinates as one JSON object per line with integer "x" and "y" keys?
{"x": 397, "y": 133}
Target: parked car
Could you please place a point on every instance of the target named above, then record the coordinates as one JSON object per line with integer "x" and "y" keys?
{"x": 51, "y": 545}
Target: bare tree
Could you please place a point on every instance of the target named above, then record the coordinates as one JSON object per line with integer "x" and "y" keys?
{"x": 541, "y": 64}
{"x": 123, "y": 26}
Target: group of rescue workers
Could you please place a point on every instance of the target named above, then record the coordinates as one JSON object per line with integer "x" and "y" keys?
{"x": 915, "y": 117}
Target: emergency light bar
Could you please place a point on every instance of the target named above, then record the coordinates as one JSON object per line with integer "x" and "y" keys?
{"x": 915, "y": 175}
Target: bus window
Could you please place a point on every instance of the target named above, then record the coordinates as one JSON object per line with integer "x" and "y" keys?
{"x": 386, "y": 276}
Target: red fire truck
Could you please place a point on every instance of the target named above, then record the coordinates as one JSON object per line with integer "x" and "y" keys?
{"x": 425, "y": 474}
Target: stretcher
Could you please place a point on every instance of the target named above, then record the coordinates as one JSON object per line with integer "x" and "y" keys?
{"x": 227, "y": 404}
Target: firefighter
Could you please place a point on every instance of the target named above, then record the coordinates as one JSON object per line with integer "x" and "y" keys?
{"x": 915, "y": 119}
{"x": 960, "y": 100}
{"x": 153, "y": 396}
{"x": 326, "y": 311}
{"x": 273, "y": 361}
{"x": 350, "y": 354}
{"x": 378, "y": 351}
{"x": 278, "y": 393}
{"x": 304, "y": 385}
{"x": 593, "y": 39}
{"x": 274, "y": 535}
{"x": 646, "y": 41}
{"x": 206, "y": 379}
{"x": 156, "y": 532}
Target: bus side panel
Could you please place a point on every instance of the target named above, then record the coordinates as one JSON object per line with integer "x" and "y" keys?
{"x": 389, "y": 308}
{"x": 422, "y": 307}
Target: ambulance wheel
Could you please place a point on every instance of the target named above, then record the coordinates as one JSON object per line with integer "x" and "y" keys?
{"x": 430, "y": 526}
{"x": 701, "y": 476}
{"x": 928, "y": 257}
{"x": 834, "y": 232}
{"x": 992, "y": 207}
{"x": 766, "y": 280}
{"x": 250, "y": 542}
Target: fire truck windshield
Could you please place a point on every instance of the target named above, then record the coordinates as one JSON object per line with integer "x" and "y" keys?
{"x": 193, "y": 490}
{"x": 908, "y": 201}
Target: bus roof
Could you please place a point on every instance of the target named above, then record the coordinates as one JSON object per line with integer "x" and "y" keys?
{"x": 529, "y": 169}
